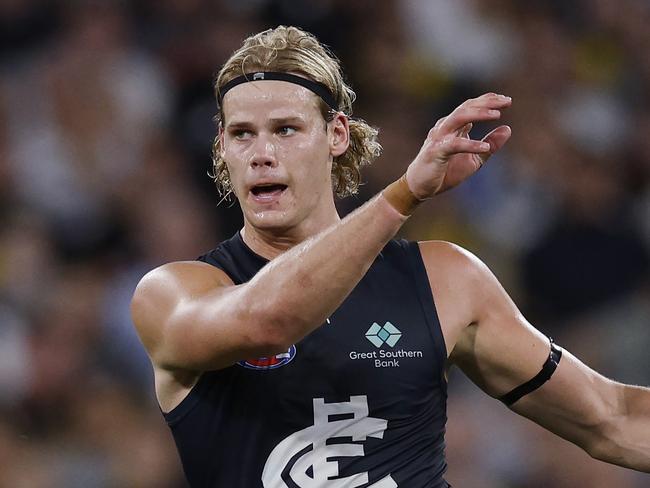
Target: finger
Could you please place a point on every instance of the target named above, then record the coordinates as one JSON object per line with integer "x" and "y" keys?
{"x": 496, "y": 139}
{"x": 464, "y": 131}
{"x": 468, "y": 114}
{"x": 455, "y": 145}
{"x": 490, "y": 100}
{"x": 485, "y": 107}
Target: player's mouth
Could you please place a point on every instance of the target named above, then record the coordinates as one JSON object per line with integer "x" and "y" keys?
{"x": 267, "y": 192}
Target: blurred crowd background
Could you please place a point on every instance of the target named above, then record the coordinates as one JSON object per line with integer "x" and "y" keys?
{"x": 105, "y": 133}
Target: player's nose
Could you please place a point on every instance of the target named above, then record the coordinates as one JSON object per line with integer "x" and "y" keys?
{"x": 263, "y": 153}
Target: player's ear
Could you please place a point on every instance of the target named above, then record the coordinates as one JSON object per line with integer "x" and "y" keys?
{"x": 339, "y": 134}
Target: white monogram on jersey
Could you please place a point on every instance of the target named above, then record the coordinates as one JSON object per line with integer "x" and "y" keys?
{"x": 314, "y": 469}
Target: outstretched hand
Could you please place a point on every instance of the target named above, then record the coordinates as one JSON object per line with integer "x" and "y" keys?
{"x": 448, "y": 155}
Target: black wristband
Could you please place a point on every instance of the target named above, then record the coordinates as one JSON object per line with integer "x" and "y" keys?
{"x": 542, "y": 377}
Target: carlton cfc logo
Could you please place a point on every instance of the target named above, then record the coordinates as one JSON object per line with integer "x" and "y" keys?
{"x": 272, "y": 362}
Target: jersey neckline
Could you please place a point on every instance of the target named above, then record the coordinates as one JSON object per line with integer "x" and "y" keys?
{"x": 248, "y": 250}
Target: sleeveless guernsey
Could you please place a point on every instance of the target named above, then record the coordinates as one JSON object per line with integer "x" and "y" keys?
{"x": 359, "y": 402}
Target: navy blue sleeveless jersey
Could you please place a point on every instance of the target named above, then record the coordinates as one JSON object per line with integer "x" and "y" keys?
{"x": 359, "y": 402}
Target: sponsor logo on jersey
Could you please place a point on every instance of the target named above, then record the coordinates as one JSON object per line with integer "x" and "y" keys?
{"x": 388, "y": 334}
{"x": 384, "y": 338}
{"x": 271, "y": 362}
{"x": 306, "y": 459}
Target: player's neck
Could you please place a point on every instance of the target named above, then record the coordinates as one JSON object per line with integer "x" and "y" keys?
{"x": 270, "y": 243}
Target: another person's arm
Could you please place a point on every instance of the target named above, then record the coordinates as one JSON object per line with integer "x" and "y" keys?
{"x": 499, "y": 350}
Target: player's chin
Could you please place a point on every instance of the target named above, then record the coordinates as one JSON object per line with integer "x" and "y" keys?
{"x": 270, "y": 219}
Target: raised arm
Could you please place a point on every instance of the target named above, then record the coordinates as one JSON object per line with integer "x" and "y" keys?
{"x": 499, "y": 350}
{"x": 190, "y": 316}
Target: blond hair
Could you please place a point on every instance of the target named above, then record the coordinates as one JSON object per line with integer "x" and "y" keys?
{"x": 292, "y": 50}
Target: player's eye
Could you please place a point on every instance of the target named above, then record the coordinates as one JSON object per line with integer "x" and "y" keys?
{"x": 241, "y": 134}
{"x": 286, "y": 130}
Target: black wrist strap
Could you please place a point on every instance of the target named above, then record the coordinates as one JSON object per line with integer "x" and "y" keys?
{"x": 542, "y": 377}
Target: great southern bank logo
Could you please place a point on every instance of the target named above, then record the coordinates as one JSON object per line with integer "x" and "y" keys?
{"x": 382, "y": 356}
{"x": 388, "y": 334}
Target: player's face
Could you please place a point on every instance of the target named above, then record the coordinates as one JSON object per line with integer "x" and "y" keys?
{"x": 278, "y": 149}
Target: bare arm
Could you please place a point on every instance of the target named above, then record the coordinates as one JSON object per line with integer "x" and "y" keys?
{"x": 609, "y": 420}
{"x": 499, "y": 350}
{"x": 191, "y": 317}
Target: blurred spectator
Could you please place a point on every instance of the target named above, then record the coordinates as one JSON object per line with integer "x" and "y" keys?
{"x": 593, "y": 253}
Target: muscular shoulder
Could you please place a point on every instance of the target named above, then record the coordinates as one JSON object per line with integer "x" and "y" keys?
{"x": 186, "y": 275}
{"x": 461, "y": 286}
{"x": 453, "y": 266}
{"x": 162, "y": 289}
{"x": 448, "y": 255}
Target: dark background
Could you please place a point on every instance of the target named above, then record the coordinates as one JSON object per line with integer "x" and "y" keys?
{"x": 105, "y": 131}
